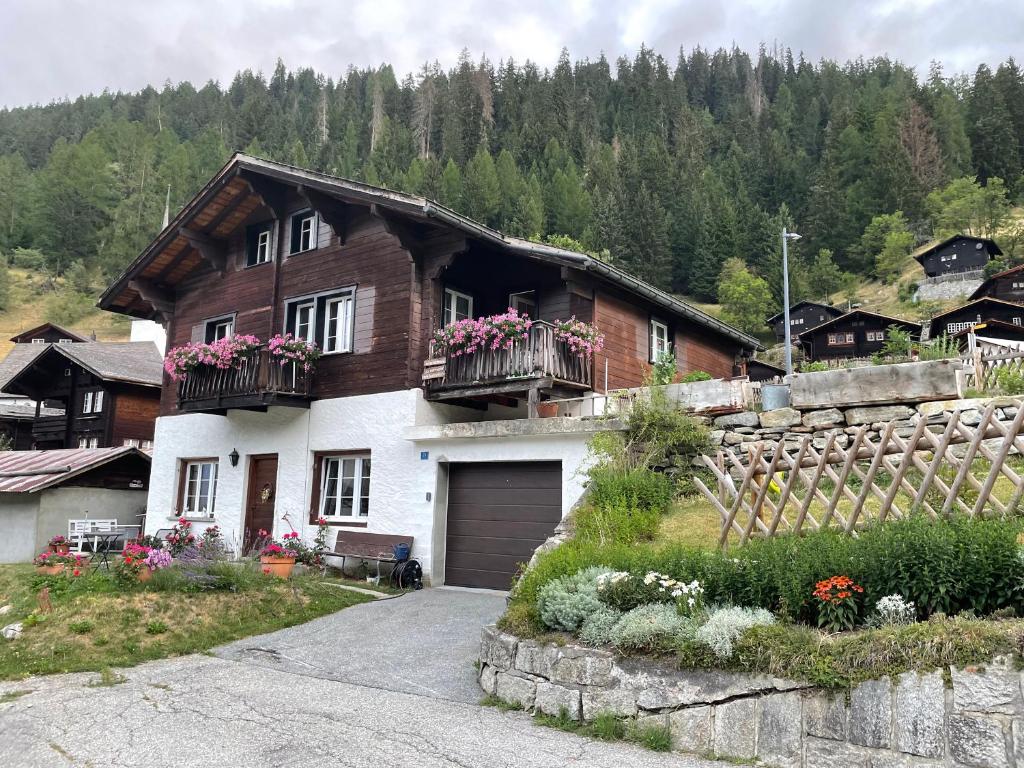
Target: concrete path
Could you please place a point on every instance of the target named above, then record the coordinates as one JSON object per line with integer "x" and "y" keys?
{"x": 386, "y": 683}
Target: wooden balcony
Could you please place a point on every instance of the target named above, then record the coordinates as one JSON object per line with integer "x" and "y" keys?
{"x": 540, "y": 362}
{"x": 257, "y": 381}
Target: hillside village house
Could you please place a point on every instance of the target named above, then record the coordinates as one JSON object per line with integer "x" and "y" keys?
{"x": 1007, "y": 285}
{"x": 855, "y": 335}
{"x": 959, "y": 253}
{"x": 386, "y": 436}
{"x": 953, "y": 321}
{"x": 89, "y": 394}
{"x": 803, "y": 316}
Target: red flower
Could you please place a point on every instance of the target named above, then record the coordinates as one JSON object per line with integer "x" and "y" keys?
{"x": 76, "y": 572}
{"x": 266, "y": 571}
{"x": 322, "y": 521}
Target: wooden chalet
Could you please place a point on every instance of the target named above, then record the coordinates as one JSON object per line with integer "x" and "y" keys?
{"x": 49, "y": 333}
{"x": 760, "y": 370}
{"x": 803, "y": 316}
{"x": 857, "y": 334}
{"x": 991, "y": 329}
{"x": 979, "y": 311}
{"x": 959, "y": 253}
{"x": 90, "y": 395}
{"x": 1007, "y": 285}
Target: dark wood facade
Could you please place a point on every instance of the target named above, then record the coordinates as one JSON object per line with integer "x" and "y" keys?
{"x": 1007, "y": 285}
{"x": 855, "y": 335}
{"x": 803, "y": 316}
{"x": 396, "y": 262}
{"x": 48, "y": 333}
{"x": 959, "y": 253}
{"x": 78, "y": 409}
{"x": 982, "y": 310}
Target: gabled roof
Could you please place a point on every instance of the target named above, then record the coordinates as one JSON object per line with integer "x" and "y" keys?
{"x": 128, "y": 362}
{"x": 862, "y": 312}
{"x": 929, "y": 248}
{"x": 228, "y": 193}
{"x": 983, "y": 288}
{"x": 25, "y": 335}
{"x": 799, "y": 304}
{"x": 766, "y": 364}
{"x": 34, "y": 471}
{"x": 983, "y": 300}
{"x": 17, "y": 360}
{"x": 995, "y": 328}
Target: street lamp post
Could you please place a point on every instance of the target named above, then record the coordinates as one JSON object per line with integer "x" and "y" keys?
{"x": 786, "y": 237}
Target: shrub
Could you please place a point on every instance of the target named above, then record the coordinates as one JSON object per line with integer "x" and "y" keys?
{"x": 616, "y": 522}
{"x": 663, "y": 370}
{"x": 597, "y": 627}
{"x": 82, "y": 627}
{"x": 1009, "y": 381}
{"x": 813, "y": 367}
{"x": 724, "y": 626}
{"x": 565, "y": 602}
{"x": 693, "y": 376}
{"x": 640, "y": 489}
{"x": 655, "y": 627}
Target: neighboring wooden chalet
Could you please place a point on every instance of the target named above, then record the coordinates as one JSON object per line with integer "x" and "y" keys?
{"x": 982, "y": 310}
{"x": 803, "y": 316}
{"x": 992, "y": 329}
{"x": 1007, "y": 285}
{"x": 41, "y": 491}
{"x": 759, "y": 370}
{"x": 857, "y": 334}
{"x": 959, "y": 253}
{"x": 49, "y": 333}
{"x": 381, "y": 435}
{"x": 90, "y": 395}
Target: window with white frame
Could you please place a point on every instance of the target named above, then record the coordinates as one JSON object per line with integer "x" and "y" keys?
{"x": 836, "y": 339}
{"x": 457, "y": 306}
{"x": 1017, "y": 286}
{"x": 303, "y": 228}
{"x": 219, "y": 328}
{"x": 660, "y": 344}
{"x": 259, "y": 243}
{"x": 876, "y": 335}
{"x": 327, "y": 319}
{"x": 38, "y": 341}
{"x": 65, "y": 341}
{"x": 525, "y": 303}
{"x": 88, "y": 442}
{"x": 92, "y": 402}
{"x": 199, "y": 487}
{"x": 1016, "y": 321}
{"x": 345, "y": 487}
{"x": 952, "y": 328}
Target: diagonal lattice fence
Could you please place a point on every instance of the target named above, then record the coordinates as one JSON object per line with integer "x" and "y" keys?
{"x": 795, "y": 487}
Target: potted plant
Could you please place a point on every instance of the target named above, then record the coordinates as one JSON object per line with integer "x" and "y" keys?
{"x": 547, "y": 409}
{"x": 278, "y": 557}
{"x": 129, "y": 566}
{"x": 60, "y": 545}
{"x": 53, "y": 563}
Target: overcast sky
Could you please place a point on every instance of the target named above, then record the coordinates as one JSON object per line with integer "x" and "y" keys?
{"x": 51, "y": 49}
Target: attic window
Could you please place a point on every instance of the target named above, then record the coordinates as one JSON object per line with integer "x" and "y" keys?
{"x": 64, "y": 341}
{"x": 38, "y": 341}
{"x": 259, "y": 243}
{"x": 303, "y": 229}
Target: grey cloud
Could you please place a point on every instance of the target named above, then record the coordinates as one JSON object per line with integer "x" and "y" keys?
{"x": 51, "y": 49}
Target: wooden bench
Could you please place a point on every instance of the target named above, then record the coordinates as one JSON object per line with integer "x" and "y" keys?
{"x": 79, "y": 530}
{"x": 368, "y": 546}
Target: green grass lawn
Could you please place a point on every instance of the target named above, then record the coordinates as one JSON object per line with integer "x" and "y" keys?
{"x": 95, "y": 624}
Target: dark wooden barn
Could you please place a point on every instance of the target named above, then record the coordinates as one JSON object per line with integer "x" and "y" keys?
{"x": 967, "y": 316}
{"x": 959, "y": 253}
{"x": 857, "y": 334}
{"x": 1007, "y": 285}
{"x": 803, "y": 316}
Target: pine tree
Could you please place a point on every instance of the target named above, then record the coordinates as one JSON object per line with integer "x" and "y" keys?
{"x": 451, "y": 186}
{"x": 481, "y": 190}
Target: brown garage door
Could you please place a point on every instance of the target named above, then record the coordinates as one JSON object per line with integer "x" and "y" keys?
{"x": 498, "y": 514}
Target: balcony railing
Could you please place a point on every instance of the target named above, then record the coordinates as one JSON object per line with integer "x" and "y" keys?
{"x": 257, "y": 379}
{"x": 539, "y": 356}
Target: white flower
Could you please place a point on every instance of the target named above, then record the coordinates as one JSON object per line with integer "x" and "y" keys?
{"x": 677, "y": 592}
{"x": 692, "y": 602}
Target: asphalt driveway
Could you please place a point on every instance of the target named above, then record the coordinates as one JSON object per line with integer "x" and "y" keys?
{"x": 386, "y": 683}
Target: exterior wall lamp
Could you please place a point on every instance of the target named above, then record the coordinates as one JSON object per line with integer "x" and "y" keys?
{"x": 233, "y": 457}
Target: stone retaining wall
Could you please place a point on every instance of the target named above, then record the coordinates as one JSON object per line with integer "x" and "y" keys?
{"x": 746, "y": 429}
{"x": 976, "y": 719}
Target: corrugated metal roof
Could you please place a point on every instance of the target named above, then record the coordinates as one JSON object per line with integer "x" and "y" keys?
{"x": 33, "y": 471}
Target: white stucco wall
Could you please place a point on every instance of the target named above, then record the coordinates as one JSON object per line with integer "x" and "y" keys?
{"x": 400, "y": 478}
{"x": 58, "y": 505}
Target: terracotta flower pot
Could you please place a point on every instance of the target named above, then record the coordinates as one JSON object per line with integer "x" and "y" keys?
{"x": 145, "y": 574}
{"x": 50, "y": 570}
{"x": 279, "y": 567}
{"x": 547, "y": 410}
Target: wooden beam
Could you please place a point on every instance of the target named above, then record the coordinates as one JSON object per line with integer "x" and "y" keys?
{"x": 226, "y": 211}
{"x": 161, "y": 300}
{"x": 398, "y": 229}
{"x": 211, "y": 250}
{"x": 337, "y": 213}
{"x": 271, "y": 193}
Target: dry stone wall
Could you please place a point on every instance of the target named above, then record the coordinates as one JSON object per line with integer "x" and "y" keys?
{"x": 746, "y": 429}
{"x": 956, "y": 717}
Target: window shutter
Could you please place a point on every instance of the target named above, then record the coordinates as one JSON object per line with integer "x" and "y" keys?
{"x": 199, "y": 333}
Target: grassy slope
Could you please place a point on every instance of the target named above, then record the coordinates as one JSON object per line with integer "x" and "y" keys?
{"x": 31, "y": 303}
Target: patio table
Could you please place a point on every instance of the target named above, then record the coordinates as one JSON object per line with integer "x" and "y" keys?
{"x": 102, "y": 542}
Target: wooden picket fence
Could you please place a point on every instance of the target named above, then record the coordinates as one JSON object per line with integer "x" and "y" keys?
{"x": 794, "y": 489}
{"x": 984, "y": 358}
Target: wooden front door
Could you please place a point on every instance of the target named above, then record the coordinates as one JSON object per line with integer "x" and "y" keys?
{"x": 259, "y": 506}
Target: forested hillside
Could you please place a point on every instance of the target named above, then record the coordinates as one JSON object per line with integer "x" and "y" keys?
{"x": 669, "y": 169}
